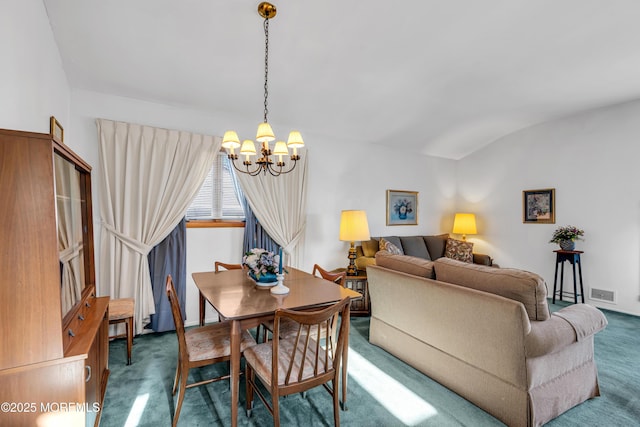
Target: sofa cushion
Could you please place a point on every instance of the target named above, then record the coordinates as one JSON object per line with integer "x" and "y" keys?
{"x": 387, "y": 246}
{"x": 415, "y": 246}
{"x": 395, "y": 240}
{"x": 406, "y": 264}
{"x": 370, "y": 247}
{"x": 436, "y": 245}
{"x": 459, "y": 250}
{"x": 363, "y": 262}
{"x": 528, "y": 288}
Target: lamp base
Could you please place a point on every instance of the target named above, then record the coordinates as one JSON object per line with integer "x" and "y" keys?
{"x": 352, "y": 270}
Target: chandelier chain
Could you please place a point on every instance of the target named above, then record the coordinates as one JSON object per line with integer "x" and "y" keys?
{"x": 266, "y": 67}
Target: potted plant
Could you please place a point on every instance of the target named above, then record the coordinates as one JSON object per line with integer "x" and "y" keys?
{"x": 566, "y": 237}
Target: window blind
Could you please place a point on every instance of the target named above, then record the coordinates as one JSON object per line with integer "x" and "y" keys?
{"x": 217, "y": 198}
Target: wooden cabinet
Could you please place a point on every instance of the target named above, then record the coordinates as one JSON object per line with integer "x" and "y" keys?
{"x": 358, "y": 283}
{"x": 54, "y": 333}
{"x": 359, "y": 307}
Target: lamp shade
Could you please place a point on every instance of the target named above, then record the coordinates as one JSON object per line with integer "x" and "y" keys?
{"x": 354, "y": 226}
{"x": 464, "y": 223}
{"x": 295, "y": 139}
{"x": 280, "y": 148}
{"x": 230, "y": 139}
{"x": 265, "y": 133}
{"x": 248, "y": 148}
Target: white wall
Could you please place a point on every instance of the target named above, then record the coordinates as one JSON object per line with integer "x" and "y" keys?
{"x": 33, "y": 85}
{"x": 591, "y": 159}
{"x": 342, "y": 175}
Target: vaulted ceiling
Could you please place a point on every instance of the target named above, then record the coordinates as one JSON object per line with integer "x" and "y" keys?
{"x": 443, "y": 78}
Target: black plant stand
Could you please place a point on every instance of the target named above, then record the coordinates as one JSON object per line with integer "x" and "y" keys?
{"x": 574, "y": 258}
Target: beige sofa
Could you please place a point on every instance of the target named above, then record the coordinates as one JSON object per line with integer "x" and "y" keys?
{"x": 486, "y": 334}
{"x": 427, "y": 247}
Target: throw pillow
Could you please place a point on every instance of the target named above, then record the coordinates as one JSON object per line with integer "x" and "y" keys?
{"x": 386, "y": 245}
{"x": 459, "y": 250}
{"x": 370, "y": 247}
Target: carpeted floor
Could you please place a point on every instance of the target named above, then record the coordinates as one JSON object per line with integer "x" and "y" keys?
{"x": 383, "y": 391}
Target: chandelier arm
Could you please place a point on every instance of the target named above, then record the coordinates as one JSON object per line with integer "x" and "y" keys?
{"x": 248, "y": 172}
{"x": 295, "y": 161}
{"x": 273, "y": 172}
{"x": 282, "y": 172}
{"x": 256, "y": 172}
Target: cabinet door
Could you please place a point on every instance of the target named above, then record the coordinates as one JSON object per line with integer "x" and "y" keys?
{"x": 92, "y": 380}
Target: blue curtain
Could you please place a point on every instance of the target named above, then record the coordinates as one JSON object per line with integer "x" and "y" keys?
{"x": 254, "y": 235}
{"x": 168, "y": 257}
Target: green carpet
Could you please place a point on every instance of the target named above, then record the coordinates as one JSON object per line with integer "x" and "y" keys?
{"x": 383, "y": 391}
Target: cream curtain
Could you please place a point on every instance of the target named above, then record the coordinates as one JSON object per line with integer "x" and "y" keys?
{"x": 149, "y": 177}
{"x": 280, "y": 204}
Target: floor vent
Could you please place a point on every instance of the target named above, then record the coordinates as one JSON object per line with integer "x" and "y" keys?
{"x": 602, "y": 295}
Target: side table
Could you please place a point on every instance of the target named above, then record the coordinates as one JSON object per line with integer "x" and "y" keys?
{"x": 574, "y": 258}
{"x": 358, "y": 283}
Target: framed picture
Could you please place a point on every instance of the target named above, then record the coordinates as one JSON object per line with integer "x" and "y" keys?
{"x": 539, "y": 206}
{"x": 55, "y": 129}
{"x": 402, "y": 207}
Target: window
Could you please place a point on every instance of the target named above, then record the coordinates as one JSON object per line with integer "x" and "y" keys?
{"x": 217, "y": 198}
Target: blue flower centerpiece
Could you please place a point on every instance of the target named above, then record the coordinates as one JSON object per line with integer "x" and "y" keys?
{"x": 263, "y": 265}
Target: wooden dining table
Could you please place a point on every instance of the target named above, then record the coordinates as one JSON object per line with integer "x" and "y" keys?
{"x": 239, "y": 300}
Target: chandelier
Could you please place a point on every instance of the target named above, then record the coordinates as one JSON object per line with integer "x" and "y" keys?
{"x": 265, "y": 134}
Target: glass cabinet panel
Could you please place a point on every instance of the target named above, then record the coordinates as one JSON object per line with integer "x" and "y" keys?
{"x": 71, "y": 245}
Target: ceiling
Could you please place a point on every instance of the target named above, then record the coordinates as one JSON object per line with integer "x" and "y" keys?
{"x": 442, "y": 78}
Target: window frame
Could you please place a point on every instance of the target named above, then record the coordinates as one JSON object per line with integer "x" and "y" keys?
{"x": 204, "y": 222}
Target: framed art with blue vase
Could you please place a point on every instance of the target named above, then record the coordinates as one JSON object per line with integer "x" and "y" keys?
{"x": 402, "y": 207}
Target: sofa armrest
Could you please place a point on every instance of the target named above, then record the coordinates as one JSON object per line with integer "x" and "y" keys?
{"x": 585, "y": 319}
{"x": 557, "y": 332}
{"x": 482, "y": 259}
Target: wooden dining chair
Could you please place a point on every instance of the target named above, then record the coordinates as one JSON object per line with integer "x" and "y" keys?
{"x": 199, "y": 346}
{"x": 287, "y": 327}
{"x": 218, "y": 265}
{"x": 337, "y": 278}
{"x": 293, "y": 364}
{"x": 290, "y": 328}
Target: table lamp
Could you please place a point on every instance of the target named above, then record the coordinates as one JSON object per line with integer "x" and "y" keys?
{"x": 353, "y": 227}
{"x": 464, "y": 223}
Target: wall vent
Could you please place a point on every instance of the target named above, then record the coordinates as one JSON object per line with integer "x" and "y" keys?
{"x": 602, "y": 295}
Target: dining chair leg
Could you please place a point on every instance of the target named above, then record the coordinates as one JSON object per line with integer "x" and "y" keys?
{"x": 336, "y": 409}
{"x": 202, "y": 309}
{"x": 344, "y": 364}
{"x": 129, "y": 325}
{"x": 275, "y": 398}
{"x": 181, "y": 391}
{"x": 177, "y": 377}
{"x": 250, "y": 377}
{"x": 343, "y": 368}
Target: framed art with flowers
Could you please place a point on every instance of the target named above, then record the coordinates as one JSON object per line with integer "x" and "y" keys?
{"x": 539, "y": 206}
{"x": 402, "y": 207}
